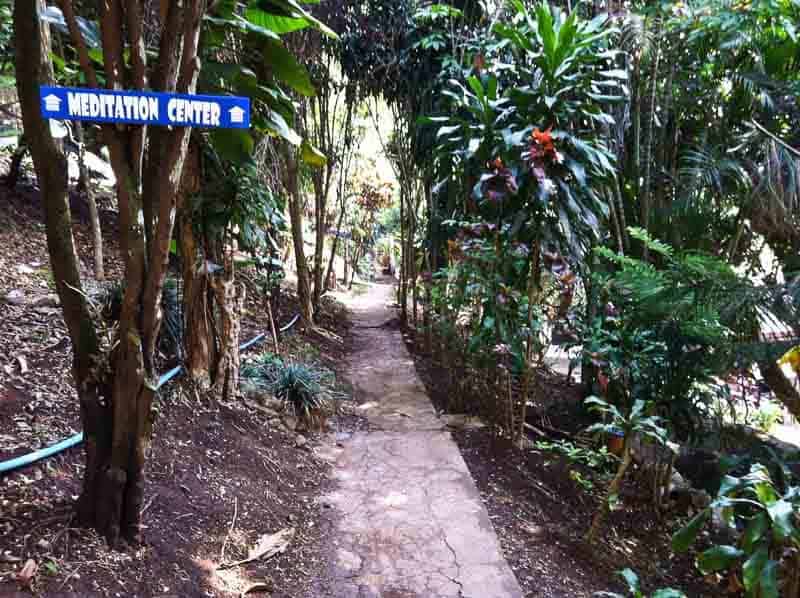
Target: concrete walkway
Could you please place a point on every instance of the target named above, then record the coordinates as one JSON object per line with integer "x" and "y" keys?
{"x": 407, "y": 519}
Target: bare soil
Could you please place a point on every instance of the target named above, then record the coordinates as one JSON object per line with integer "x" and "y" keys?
{"x": 220, "y": 476}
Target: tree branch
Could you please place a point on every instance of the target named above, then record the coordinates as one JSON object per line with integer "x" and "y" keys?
{"x": 80, "y": 43}
{"x": 775, "y": 138}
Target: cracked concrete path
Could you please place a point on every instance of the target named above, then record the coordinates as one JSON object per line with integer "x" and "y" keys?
{"x": 407, "y": 519}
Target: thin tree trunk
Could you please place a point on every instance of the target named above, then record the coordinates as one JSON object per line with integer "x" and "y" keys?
{"x": 413, "y": 266}
{"x": 623, "y": 225}
{"x": 613, "y": 490}
{"x": 403, "y": 257}
{"x": 320, "y": 211}
{"x": 635, "y": 168}
{"x": 646, "y": 194}
{"x": 273, "y": 330}
{"x": 296, "y": 217}
{"x": 534, "y": 285}
{"x": 15, "y": 168}
{"x": 85, "y": 185}
{"x": 335, "y": 244}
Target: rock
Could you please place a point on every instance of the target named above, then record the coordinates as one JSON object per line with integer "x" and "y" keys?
{"x": 273, "y": 404}
{"x": 46, "y": 301}
{"x": 701, "y": 468}
{"x": 14, "y": 297}
{"x": 300, "y": 441}
{"x": 290, "y": 422}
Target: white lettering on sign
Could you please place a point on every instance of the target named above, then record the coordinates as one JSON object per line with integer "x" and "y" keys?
{"x": 144, "y": 108}
{"x": 193, "y": 112}
{"x": 92, "y": 105}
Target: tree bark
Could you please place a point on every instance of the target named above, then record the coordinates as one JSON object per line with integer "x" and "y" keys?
{"x": 645, "y": 196}
{"x": 15, "y": 168}
{"x": 295, "y": 202}
{"x": 335, "y": 244}
{"x": 33, "y": 68}
{"x": 779, "y": 384}
{"x": 85, "y": 186}
{"x": 230, "y": 302}
{"x": 117, "y": 430}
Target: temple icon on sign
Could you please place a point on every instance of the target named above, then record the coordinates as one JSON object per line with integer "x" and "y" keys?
{"x": 237, "y": 115}
{"x": 52, "y": 103}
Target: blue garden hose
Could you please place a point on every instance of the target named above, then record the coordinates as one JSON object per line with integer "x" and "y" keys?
{"x": 29, "y": 459}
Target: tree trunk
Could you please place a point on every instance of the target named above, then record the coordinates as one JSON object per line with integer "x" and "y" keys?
{"x": 198, "y": 297}
{"x": 404, "y": 257}
{"x": 15, "y": 168}
{"x": 296, "y": 217}
{"x": 230, "y": 302}
{"x": 33, "y": 68}
{"x": 335, "y": 244}
{"x": 85, "y": 186}
{"x": 645, "y": 196}
{"x": 117, "y": 430}
{"x": 779, "y": 384}
{"x": 320, "y": 211}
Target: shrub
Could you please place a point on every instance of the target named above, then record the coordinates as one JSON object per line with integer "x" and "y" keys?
{"x": 635, "y": 589}
{"x": 309, "y": 389}
{"x": 767, "y": 554}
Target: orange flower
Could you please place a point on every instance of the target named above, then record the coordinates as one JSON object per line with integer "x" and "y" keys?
{"x": 544, "y": 140}
{"x": 496, "y": 164}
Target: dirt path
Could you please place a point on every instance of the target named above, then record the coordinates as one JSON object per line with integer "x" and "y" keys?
{"x": 407, "y": 520}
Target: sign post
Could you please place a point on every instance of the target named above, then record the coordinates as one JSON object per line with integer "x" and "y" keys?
{"x": 145, "y": 108}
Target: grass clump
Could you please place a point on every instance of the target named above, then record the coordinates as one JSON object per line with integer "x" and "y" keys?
{"x": 308, "y": 389}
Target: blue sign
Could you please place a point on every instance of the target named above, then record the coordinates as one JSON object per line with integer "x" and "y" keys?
{"x": 145, "y": 108}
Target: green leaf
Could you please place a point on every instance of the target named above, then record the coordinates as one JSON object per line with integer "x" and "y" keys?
{"x": 768, "y": 581}
{"x": 275, "y": 23}
{"x": 765, "y": 492}
{"x": 286, "y": 68}
{"x": 755, "y": 531}
{"x": 729, "y": 484}
{"x": 277, "y": 125}
{"x": 685, "y": 537}
{"x": 782, "y": 515}
{"x": 312, "y": 156}
{"x": 477, "y": 87}
{"x": 718, "y": 558}
{"x": 753, "y": 567}
{"x": 292, "y": 9}
{"x": 237, "y": 22}
{"x": 234, "y": 145}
